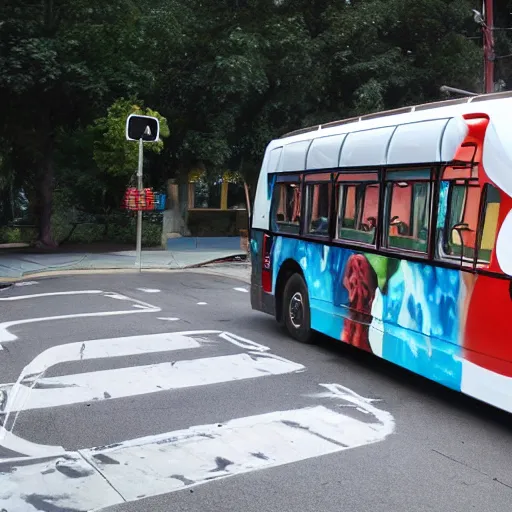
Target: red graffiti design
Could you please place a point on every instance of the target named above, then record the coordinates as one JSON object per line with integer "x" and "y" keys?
{"x": 361, "y": 282}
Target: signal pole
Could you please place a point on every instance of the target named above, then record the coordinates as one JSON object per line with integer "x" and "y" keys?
{"x": 141, "y": 129}
{"x": 138, "y": 247}
{"x": 488, "y": 35}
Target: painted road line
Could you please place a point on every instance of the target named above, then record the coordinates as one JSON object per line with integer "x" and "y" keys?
{"x": 96, "y": 386}
{"x": 164, "y": 463}
{"x": 169, "y": 462}
{"x": 144, "y": 307}
{"x": 126, "y": 346}
{"x": 28, "y": 448}
{"x": 6, "y": 336}
{"x": 65, "y": 484}
{"x": 243, "y": 342}
{"x": 227, "y": 336}
{"x": 243, "y": 290}
{"x": 79, "y": 351}
{"x": 119, "y": 296}
{"x": 104, "y": 348}
{"x": 52, "y": 294}
{"x": 148, "y": 290}
{"x": 92, "y": 349}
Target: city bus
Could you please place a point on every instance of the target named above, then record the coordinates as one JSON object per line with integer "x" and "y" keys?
{"x": 392, "y": 232}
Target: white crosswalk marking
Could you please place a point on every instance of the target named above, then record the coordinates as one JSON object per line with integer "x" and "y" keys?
{"x": 138, "y": 380}
{"x": 97, "y": 477}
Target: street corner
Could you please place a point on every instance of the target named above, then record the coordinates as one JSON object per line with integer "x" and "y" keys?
{"x": 300, "y": 423}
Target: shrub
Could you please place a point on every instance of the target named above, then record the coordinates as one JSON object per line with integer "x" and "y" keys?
{"x": 117, "y": 228}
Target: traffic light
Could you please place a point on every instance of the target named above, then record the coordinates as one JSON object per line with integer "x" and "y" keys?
{"x": 142, "y": 127}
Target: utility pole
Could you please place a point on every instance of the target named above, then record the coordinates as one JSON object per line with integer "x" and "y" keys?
{"x": 488, "y": 34}
{"x": 138, "y": 246}
{"x": 141, "y": 129}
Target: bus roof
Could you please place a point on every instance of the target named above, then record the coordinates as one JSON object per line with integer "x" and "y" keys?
{"x": 419, "y": 134}
{"x": 405, "y": 110}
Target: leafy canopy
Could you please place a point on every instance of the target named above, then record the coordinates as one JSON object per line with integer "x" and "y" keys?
{"x": 112, "y": 152}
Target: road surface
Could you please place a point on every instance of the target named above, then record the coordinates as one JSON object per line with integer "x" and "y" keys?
{"x": 166, "y": 392}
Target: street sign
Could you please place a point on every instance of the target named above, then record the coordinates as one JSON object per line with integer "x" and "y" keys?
{"x": 142, "y": 127}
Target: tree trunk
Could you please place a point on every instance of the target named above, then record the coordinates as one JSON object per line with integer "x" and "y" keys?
{"x": 46, "y": 197}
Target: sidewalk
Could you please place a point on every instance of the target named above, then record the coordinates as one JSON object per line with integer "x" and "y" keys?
{"x": 18, "y": 264}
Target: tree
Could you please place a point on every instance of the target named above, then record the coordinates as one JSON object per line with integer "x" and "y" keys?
{"x": 113, "y": 154}
{"x": 61, "y": 62}
{"x": 227, "y": 76}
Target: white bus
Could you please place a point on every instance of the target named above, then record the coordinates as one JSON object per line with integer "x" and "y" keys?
{"x": 393, "y": 232}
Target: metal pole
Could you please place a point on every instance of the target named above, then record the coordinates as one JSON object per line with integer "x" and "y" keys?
{"x": 138, "y": 259}
{"x": 462, "y": 92}
{"x": 488, "y": 30}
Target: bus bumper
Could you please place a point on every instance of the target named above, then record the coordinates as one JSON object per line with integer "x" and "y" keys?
{"x": 262, "y": 301}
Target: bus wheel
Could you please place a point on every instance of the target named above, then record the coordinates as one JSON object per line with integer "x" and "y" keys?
{"x": 296, "y": 309}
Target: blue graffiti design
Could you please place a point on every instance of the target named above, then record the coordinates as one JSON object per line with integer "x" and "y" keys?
{"x": 419, "y": 309}
{"x": 443, "y": 204}
{"x": 270, "y": 188}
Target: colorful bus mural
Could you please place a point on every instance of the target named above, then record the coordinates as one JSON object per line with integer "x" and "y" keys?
{"x": 393, "y": 233}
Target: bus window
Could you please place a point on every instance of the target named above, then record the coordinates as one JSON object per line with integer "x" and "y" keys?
{"x": 489, "y": 224}
{"x": 358, "y": 208}
{"x": 286, "y": 207}
{"x": 458, "y": 223}
{"x": 318, "y": 207}
{"x": 463, "y": 206}
{"x": 408, "y": 215}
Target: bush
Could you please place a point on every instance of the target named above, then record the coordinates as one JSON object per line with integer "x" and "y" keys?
{"x": 118, "y": 228}
{"x": 212, "y": 223}
{"x": 12, "y": 235}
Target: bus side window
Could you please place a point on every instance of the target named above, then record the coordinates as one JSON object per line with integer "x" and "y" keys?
{"x": 358, "y": 210}
{"x": 489, "y": 224}
{"x": 286, "y": 201}
{"x": 458, "y": 222}
{"x": 407, "y": 223}
{"x": 318, "y": 207}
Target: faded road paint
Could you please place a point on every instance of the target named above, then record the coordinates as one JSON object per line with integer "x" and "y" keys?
{"x": 19, "y": 393}
{"x": 53, "y": 294}
{"x": 140, "y": 380}
{"x": 142, "y": 307}
{"x": 172, "y": 461}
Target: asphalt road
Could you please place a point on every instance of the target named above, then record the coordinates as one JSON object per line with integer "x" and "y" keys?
{"x": 165, "y": 391}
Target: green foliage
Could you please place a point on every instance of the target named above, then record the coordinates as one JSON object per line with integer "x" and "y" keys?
{"x": 12, "y": 235}
{"x": 114, "y": 229}
{"x": 113, "y": 154}
{"x": 225, "y": 77}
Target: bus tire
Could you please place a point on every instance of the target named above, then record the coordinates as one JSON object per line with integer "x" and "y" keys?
{"x": 296, "y": 312}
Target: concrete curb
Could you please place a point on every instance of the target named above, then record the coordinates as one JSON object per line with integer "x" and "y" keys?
{"x": 6, "y": 281}
{"x": 246, "y": 280}
{"x": 192, "y": 270}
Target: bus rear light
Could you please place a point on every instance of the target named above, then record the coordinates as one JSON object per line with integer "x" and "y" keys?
{"x": 266, "y": 281}
{"x": 266, "y": 271}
